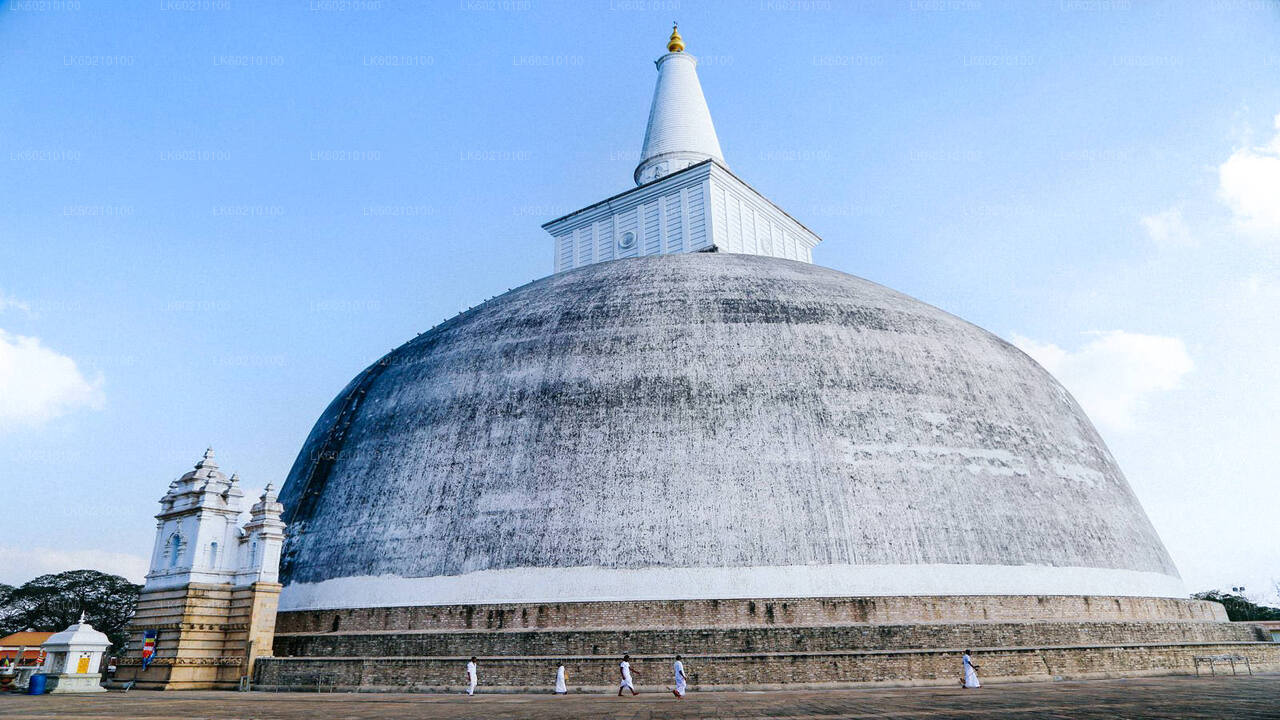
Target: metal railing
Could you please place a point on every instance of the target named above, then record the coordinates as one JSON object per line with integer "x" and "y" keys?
{"x": 1212, "y": 659}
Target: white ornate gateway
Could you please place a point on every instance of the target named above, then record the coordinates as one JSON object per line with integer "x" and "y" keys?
{"x": 208, "y": 608}
{"x": 687, "y": 199}
{"x": 198, "y": 533}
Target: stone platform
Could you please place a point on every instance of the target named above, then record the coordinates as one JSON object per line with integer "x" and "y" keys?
{"x": 749, "y": 613}
{"x": 207, "y": 634}
{"x": 1241, "y": 698}
{"x": 753, "y": 644}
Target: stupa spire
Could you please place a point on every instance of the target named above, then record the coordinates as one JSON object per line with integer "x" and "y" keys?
{"x": 680, "y": 132}
{"x": 675, "y": 43}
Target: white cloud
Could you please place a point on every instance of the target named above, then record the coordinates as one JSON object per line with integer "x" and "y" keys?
{"x": 1260, "y": 288}
{"x": 25, "y": 563}
{"x": 1249, "y": 183}
{"x": 1168, "y": 228}
{"x": 1115, "y": 373}
{"x": 7, "y": 302}
{"x": 38, "y": 384}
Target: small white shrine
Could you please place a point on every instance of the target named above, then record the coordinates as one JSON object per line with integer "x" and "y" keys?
{"x": 72, "y": 659}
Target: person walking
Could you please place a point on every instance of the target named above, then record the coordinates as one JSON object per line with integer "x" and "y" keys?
{"x": 471, "y": 676}
{"x": 561, "y": 678}
{"x": 970, "y": 672}
{"x": 681, "y": 682}
{"x": 624, "y": 670}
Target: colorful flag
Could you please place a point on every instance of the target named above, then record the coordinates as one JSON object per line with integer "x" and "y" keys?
{"x": 148, "y": 647}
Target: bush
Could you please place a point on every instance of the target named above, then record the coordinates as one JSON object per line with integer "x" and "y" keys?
{"x": 1238, "y": 607}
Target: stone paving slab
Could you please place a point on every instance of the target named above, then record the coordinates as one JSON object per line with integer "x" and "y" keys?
{"x": 1240, "y": 697}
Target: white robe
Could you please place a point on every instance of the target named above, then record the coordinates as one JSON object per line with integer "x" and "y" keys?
{"x": 970, "y": 675}
{"x": 680, "y": 679}
{"x": 471, "y": 678}
{"x": 626, "y": 677}
{"x": 560, "y": 686}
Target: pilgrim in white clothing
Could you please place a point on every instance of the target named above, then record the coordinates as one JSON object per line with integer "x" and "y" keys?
{"x": 970, "y": 672}
{"x": 681, "y": 681}
{"x": 624, "y": 671}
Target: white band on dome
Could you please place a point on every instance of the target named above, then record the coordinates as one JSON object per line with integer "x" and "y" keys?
{"x": 593, "y": 584}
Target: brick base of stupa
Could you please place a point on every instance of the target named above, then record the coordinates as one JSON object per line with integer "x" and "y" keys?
{"x": 760, "y": 643}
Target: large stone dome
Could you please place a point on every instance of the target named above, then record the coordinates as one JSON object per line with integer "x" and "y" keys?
{"x": 708, "y": 426}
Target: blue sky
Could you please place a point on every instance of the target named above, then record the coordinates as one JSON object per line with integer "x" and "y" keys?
{"x": 214, "y": 213}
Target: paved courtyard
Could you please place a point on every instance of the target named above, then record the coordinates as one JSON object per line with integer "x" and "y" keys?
{"x": 1166, "y": 697}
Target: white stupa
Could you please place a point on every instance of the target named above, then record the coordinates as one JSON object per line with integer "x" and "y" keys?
{"x": 829, "y": 437}
{"x": 691, "y": 438}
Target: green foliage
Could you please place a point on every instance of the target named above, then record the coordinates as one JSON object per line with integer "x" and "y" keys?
{"x": 1238, "y": 607}
{"x": 50, "y": 603}
{"x": 4, "y": 602}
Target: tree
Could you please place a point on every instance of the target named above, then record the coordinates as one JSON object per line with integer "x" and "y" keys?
{"x": 1238, "y": 607}
{"x": 50, "y": 603}
{"x": 4, "y": 602}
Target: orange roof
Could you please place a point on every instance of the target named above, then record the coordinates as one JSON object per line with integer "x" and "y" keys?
{"x": 28, "y": 638}
{"x": 30, "y": 654}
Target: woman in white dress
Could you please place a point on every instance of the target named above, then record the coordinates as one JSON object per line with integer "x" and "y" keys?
{"x": 970, "y": 672}
{"x": 681, "y": 681}
{"x": 561, "y": 677}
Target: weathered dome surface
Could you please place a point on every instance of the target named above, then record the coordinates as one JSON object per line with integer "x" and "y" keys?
{"x": 708, "y": 426}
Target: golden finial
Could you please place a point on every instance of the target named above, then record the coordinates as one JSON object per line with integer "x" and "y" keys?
{"x": 676, "y": 43}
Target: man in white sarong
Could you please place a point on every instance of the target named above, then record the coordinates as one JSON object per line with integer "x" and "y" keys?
{"x": 678, "y": 667}
{"x": 561, "y": 678}
{"x": 624, "y": 670}
{"x": 970, "y": 672}
{"x": 471, "y": 676}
